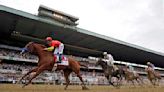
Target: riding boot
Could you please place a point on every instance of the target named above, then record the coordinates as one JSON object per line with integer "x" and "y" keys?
{"x": 60, "y": 58}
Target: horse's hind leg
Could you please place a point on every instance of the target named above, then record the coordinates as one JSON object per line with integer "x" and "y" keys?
{"x": 66, "y": 75}
{"x": 141, "y": 80}
{"x": 81, "y": 79}
{"x": 33, "y": 70}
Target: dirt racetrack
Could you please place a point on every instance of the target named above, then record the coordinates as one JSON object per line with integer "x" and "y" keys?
{"x": 75, "y": 88}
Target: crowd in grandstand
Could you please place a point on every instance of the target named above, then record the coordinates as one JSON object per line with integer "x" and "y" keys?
{"x": 16, "y": 54}
{"x": 12, "y": 72}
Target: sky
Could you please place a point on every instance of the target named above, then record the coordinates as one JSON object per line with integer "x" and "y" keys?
{"x": 138, "y": 22}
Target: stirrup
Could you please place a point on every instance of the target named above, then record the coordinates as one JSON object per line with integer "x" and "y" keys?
{"x": 58, "y": 61}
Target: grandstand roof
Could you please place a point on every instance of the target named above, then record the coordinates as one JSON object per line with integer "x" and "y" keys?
{"x": 19, "y": 27}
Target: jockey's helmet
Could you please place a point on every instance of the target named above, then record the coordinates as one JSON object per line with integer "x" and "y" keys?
{"x": 148, "y": 63}
{"x": 105, "y": 53}
{"x": 49, "y": 39}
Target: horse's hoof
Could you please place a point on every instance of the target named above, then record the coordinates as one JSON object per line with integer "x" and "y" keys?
{"x": 118, "y": 87}
{"x": 24, "y": 85}
{"x": 65, "y": 88}
{"x": 85, "y": 88}
{"x": 18, "y": 82}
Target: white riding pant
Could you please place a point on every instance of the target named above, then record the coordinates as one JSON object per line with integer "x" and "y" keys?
{"x": 59, "y": 50}
{"x": 109, "y": 63}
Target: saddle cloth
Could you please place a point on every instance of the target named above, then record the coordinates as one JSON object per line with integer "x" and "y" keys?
{"x": 64, "y": 60}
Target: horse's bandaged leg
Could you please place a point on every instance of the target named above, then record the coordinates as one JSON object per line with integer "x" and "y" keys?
{"x": 54, "y": 68}
{"x": 32, "y": 74}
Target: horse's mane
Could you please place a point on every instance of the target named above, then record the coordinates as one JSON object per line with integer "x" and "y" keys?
{"x": 41, "y": 45}
{"x": 102, "y": 63}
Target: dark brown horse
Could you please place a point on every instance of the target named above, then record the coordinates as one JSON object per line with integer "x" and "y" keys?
{"x": 109, "y": 73}
{"x": 46, "y": 62}
{"x": 153, "y": 76}
{"x": 130, "y": 76}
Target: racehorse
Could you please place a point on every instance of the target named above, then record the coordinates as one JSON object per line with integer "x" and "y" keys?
{"x": 130, "y": 76}
{"x": 109, "y": 72}
{"x": 46, "y": 62}
{"x": 153, "y": 76}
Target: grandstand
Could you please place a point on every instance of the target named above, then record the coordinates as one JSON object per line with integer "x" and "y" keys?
{"x": 14, "y": 65}
{"x": 21, "y": 27}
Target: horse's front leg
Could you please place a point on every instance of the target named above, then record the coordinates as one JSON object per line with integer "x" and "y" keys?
{"x": 152, "y": 82}
{"x": 138, "y": 82}
{"x": 119, "y": 80}
{"x": 110, "y": 80}
{"x": 118, "y": 84}
{"x": 39, "y": 70}
{"x": 157, "y": 82}
{"x": 29, "y": 72}
{"x": 133, "y": 82}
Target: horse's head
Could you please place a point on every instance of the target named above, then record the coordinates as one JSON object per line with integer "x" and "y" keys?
{"x": 146, "y": 69}
{"x": 149, "y": 70}
{"x": 29, "y": 48}
{"x": 101, "y": 62}
{"x": 33, "y": 48}
{"x": 125, "y": 70}
{"x": 104, "y": 65}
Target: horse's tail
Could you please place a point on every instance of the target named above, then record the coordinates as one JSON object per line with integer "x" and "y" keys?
{"x": 158, "y": 75}
{"x": 83, "y": 65}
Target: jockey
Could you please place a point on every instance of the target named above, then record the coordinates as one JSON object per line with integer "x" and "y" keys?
{"x": 109, "y": 60}
{"x": 150, "y": 65}
{"x": 130, "y": 68}
{"x": 55, "y": 46}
